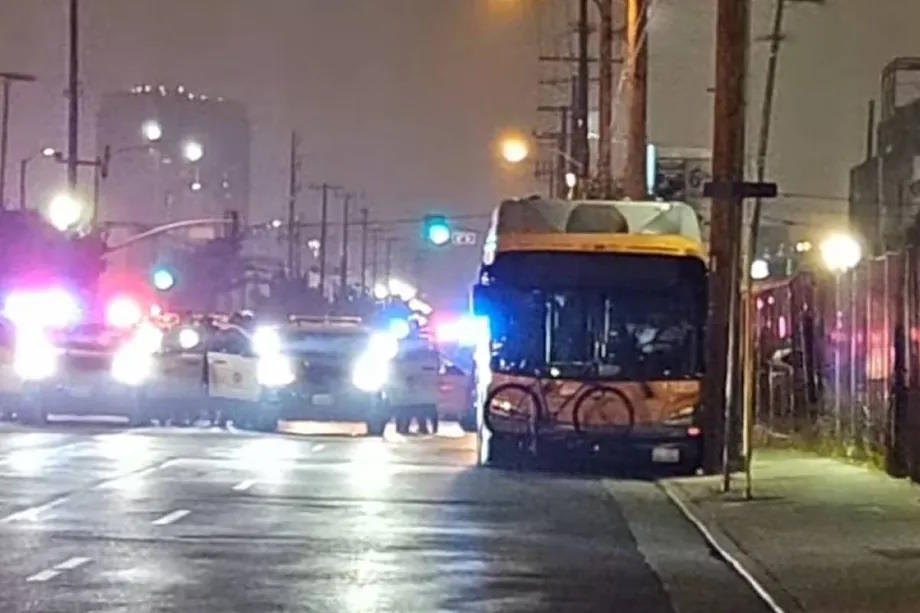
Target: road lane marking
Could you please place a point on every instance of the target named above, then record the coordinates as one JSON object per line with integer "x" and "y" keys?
{"x": 128, "y": 477}
{"x": 32, "y": 513}
{"x": 242, "y": 486}
{"x": 317, "y": 447}
{"x": 71, "y": 563}
{"x": 42, "y": 576}
{"x": 170, "y": 518}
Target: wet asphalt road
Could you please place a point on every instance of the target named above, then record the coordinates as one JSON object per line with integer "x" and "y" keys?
{"x": 101, "y": 518}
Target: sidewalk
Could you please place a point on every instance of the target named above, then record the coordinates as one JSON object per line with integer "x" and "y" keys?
{"x": 820, "y": 534}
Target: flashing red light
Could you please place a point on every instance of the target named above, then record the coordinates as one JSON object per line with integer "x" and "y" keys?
{"x": 693, "y": 431}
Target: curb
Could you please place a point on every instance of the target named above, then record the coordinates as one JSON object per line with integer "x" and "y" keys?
{"x": 765, "y": 586}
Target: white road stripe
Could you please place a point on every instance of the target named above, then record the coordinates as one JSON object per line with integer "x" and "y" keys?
{"x": 71, "y": 563}
{"x": 171, "y": 517}
{"x": 317, "y": 447}
{"x": 42, "y": 576}
{"x": 242, "y": 486}
{"x": 32, "y": 513}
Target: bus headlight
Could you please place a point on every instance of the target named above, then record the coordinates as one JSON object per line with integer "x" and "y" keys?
{"x": 275, "y": 370}
{"x": 369, "y": 373}
{"x": 131, "y": 366}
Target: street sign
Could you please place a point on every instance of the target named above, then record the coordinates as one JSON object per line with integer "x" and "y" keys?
{"x": 463, "y": 237}
{"x": 740, "y": 189}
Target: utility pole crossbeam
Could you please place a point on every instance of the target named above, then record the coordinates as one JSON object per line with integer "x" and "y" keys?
{"x": 732, "y": 34}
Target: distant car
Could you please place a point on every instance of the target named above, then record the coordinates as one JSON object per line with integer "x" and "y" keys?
{"x": 340, "y": 373}
{"x": 89, "y": 369}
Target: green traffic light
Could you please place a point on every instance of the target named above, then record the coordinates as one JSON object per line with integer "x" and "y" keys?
{"x": 163, "y": 279}
{"x": 437, "y": 230}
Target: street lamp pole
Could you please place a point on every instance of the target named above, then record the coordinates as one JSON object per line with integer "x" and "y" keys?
{"x": 23, "y": 169}
{"x": 8, "y": 78}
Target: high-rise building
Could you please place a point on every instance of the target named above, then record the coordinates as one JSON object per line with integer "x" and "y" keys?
{"x": 175, "y": 154}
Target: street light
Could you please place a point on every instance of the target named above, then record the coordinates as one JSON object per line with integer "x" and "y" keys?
{"x": 24, "y": 168}
{"x": 840, "y": 252}
{"x": 64, "y": 211}
{"x": 760, "y": 269}
{"x": 514, "y": 149}
{"x": 152, "y": 130}
{"x": 192, "y": 151}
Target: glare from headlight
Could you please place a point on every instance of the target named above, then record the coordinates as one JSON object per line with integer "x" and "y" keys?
{"x": 370, "y": 373}
{"x": 189, "y": 338}
{"x": 35, "y": 358}
{"x": 148, "y": 338}
{"x": 131, "y": 366}
{"x": 383, "y": 346}
{"x": 266, "y": 341}
{"x": 275, "y": 370}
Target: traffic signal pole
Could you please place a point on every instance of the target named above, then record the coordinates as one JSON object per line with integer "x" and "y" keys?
{"x": 719, "y": 406}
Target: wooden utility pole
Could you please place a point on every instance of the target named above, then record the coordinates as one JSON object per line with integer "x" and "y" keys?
{"x": 364, "y": 217}
{"x": 605, "y": 99}
{"x": 293, "y": 232}
{"x": 375, "y": 252}
{"x": 73, "y": 97}
{"x": 324, "y": 188}
{"x": 732, "y": 33}
{"x": 580, "y": 150}
{"x": 635, "y": 182}
{"x": 343, "y": 264}
{"x": 388, "y": 258}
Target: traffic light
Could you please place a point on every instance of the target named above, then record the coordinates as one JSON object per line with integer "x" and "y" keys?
{"x": 437, "y": 230}
{"x": 163, "y": 279}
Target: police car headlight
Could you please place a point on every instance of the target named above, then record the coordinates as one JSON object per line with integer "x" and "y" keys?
{"x": 35, "y": 362}
{"x": 369, "y": 373}
{"x": 131, "y": 366}
{"x": 275, "y": 371}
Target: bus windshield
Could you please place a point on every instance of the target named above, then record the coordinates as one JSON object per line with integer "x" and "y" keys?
{"x": 633, "y": 332}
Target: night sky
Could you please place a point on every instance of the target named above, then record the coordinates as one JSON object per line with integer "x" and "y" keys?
{"x": 405, "y": 98}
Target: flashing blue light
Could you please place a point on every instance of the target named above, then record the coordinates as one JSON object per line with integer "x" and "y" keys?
{"x": 399, "y": 328}
{"x": 163, "y": 279}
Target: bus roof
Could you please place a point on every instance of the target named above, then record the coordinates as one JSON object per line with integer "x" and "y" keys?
{"x": 537, "y": 224}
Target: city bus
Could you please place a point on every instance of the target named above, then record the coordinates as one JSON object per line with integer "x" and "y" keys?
{"x": 596, "y": 313}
